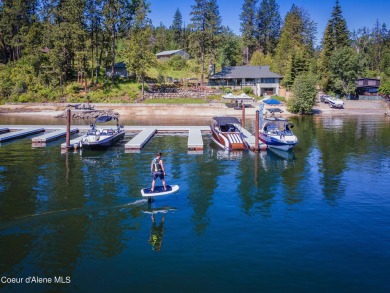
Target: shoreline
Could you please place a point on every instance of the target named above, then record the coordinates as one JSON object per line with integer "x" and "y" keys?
{"x": 352, "y": 107}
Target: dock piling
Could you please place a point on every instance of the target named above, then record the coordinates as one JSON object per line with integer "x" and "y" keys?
{"x": 68, "y": 114}
{"x": 243, "y": 115}
{"x": 257, "y": 131}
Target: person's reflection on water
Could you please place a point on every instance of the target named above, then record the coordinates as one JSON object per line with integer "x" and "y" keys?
{"x": 156, "y": 233}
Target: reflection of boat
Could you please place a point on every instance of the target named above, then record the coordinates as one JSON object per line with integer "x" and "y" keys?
{"x": 228, "y": 155}
{"x": 282, "y": 154}
{"x": 277, "y": 133}
{"x": 102, "y": 137}
{"x": 226, "y": 133}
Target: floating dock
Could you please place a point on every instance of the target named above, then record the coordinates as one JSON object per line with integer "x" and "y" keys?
{"x": 250, "y": 138}
{"x": 144, "y": 134}
{"x": 20, "y": 133}
{"x": 4, "y": 130}
{"x": 73, "y": 143}
{"x": 195, "y": 140}
{"x": 53, "y": 135}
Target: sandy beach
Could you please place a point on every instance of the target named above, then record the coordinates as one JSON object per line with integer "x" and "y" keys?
{"x": 351, "y": 107}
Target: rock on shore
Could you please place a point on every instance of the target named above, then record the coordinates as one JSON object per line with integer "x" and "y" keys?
{"x": 87, "y": 114}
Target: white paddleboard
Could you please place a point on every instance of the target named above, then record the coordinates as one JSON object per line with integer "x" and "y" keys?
{"x": 159, "y": 190}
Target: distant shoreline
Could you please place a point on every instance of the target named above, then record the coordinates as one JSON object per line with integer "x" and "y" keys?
{"x": 193, "y": 110}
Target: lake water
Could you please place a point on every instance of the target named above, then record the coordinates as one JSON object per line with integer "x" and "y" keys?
{"x": 313, "y": 220}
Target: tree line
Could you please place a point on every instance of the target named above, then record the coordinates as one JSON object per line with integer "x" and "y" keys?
{"x": 47, "y": 44}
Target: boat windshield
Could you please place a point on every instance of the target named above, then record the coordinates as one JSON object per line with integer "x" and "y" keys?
{"x": 93, "y": 132}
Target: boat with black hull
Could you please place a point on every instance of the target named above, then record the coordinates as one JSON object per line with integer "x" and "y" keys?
{"x": 102, "y": 137}
{"x": 226, "y": 133}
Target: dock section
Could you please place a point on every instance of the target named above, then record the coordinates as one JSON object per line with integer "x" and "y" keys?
{"x": 52, "y": 135}
{"x": 138, "y": 141}
{"x": 19, "y": 134}
{"x": 4, "y": 130}
{"x": 249, "y": 138}
{"x": 74, "y": 143}
{"x": 195, "y": 140}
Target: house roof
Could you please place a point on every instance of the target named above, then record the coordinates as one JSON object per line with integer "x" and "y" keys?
{"x": 164, "y": 53}
{"x": 230, "y": 72}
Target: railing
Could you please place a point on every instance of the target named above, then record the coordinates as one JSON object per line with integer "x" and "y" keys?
{"x": 370, "y": 98}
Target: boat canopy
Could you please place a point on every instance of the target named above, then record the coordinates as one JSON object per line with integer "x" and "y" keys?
{"x": 103, "y": 119}
{"x": 243, "y": 97}
{"x": 226, "y": 120}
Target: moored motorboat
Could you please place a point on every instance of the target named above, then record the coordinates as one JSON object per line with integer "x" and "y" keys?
{"x": 277, "y": 133}
{"x": 102, "y": 137}
{"x": 226, "y": 133}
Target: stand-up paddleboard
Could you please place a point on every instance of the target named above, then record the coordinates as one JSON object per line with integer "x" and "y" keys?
{"x": 159, "y": 190}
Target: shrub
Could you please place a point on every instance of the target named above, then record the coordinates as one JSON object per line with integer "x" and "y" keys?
{"x": 177, "y": 62}
{"x": 304, "y": 94}
{"x": 247, "y": 90}
{"x": 227, "y": 90}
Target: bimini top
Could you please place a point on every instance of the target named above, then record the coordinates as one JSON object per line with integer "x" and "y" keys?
{"x": 226, "y": 120}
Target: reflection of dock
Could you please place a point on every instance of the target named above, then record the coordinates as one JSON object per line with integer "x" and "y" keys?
{"x": 144, "y": 134}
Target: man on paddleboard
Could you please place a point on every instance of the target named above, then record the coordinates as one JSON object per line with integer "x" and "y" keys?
{"x": 157, "y": 169}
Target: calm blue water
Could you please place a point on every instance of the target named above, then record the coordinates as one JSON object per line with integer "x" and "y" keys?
{"x": 314, "y": 220}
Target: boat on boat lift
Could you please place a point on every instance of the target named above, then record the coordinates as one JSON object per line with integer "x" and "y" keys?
{"x": 277, "y": 133}
{"x": 102, "y": 137}
{"x": 226, "y": 133}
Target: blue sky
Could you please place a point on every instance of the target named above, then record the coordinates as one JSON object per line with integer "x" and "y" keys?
{"x": 357, "y": 13}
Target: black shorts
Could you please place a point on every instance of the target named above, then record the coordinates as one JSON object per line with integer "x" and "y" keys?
{"x": 158, "y": 174}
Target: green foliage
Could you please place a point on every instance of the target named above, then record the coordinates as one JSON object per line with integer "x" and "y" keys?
{"x": 344, "y": 69}
{"x": 248, "y": 25}
{"x": 176, "y": 101}
{"x": 268, "y": 25}
{"x": 227, "y": 90}
{"x": 177, "y": 62}
{"x": 384, "y": 89}
{"x": 229, "y": 53}
{"x": 304, "y": 94}
{"x": 298, "y": 34}
{"x": 247, "y": 90}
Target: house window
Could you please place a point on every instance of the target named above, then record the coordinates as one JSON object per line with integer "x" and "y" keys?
{"x": 268, "y": 80}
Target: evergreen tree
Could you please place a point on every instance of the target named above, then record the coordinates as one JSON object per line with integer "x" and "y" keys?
{"x": 336, "y": 36}
{"x": 118, "y": 18}
{"x": 177, "y": 29}
{"x": 248, "y": 27}
{"x": 344, "y": 69}
{"x": 229, "y": 53}
{"x": 296, "y": 41}
{"x": 268, "y": 25}
{"x": 16, "y": 18}
{"x": 206, "y": 28}
{"x": 137, "y": 50}
{"x": 257, "y": 58}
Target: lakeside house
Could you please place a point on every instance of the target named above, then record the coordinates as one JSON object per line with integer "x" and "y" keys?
{"x": 165, "y": 55}
{"x": 367, "y": 88}
{"x": 119, "y": 70}
{"x": 260, "y": 78}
